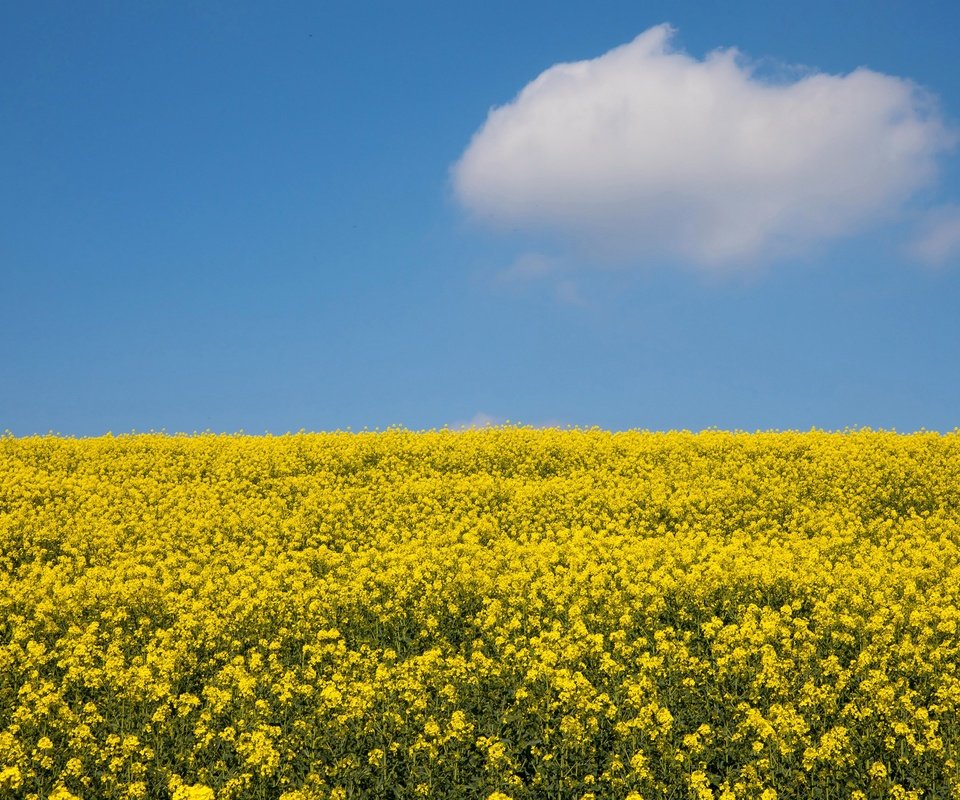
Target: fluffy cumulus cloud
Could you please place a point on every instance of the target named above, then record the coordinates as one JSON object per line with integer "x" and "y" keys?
{"x": 647, "y": 152}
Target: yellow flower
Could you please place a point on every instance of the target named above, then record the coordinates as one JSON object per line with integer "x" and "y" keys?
{"x": 11, "y": 778}
{"x": 194, "y": 792}
{"x": 61, "y": 793}
{"x": 227, "y": 605}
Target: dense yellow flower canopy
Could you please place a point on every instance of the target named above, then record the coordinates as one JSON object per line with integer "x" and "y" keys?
{"x": 506, "y": 613}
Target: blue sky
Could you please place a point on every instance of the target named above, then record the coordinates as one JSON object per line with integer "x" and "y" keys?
{"x": 273, "y": 217}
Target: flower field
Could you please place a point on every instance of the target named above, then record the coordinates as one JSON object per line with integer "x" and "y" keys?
{"x": 502, "y": 613}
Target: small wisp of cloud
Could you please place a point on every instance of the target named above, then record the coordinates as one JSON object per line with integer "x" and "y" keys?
{"x": 537, "y": 268}
{"x": 938, "y": 243}
{"x": 479, "y": 420}
{"x": 482, "y": 420}
{"x": 527, "y": 267}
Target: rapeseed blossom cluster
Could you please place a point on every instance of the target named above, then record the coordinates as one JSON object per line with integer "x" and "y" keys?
{"x": 506, "y": 614}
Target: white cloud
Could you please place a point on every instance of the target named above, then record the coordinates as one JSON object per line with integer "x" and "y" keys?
{"x": 939, "y": 239}
{"x": 648, "y": 152}
{"x": 527, "y": 267}
{"x": 568, "y": 292}
{"x": 537, "y": 268}
{"x": 479, "y": 420}
{"x": 483, "y": 420}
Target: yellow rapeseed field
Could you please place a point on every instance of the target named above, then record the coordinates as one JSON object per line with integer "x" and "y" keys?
{"x": 505, "y": 613}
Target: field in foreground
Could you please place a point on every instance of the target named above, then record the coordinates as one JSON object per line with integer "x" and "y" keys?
{"x": 501, "y": 613}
